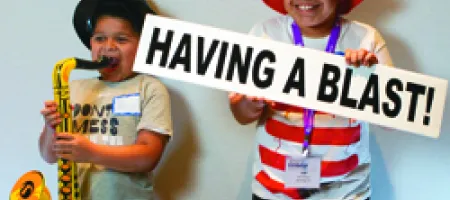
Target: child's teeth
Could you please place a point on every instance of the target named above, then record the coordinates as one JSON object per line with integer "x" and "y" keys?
{"x": 305, "y": 7}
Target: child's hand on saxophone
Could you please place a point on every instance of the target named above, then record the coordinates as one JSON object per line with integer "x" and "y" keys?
{"x": 51, "y": 116}
{"x": 74, "y": 147}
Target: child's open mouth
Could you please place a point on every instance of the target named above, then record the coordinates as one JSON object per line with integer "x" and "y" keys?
{"x": 113, "y": 65}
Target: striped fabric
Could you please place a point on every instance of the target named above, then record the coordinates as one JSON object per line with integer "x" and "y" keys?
{"x": 334, "y": 138}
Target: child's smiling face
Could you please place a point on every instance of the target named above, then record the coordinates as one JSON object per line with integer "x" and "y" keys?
{"x": 311, "y": 13}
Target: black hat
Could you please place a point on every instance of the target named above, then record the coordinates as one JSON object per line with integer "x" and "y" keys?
{"x": 87, "y": 11}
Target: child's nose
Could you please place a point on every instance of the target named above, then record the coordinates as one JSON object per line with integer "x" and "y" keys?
{"x": 110, "y": 44}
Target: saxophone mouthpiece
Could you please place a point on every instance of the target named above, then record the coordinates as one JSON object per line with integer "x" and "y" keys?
{"x": 102, "y": 62}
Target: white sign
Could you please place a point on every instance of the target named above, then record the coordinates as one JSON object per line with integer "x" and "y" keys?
{"x": 236, "y": 62}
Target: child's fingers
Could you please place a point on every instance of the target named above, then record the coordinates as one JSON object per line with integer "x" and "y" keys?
{"x": 55, "y": 123}
{"x": 255, "y": 98}
{"x": 370, "y": 59}
{"x": 235, "y": 97}
{"x": 267, "y": 101}
{"x": 251, "y": 98}
{"x": 255, "y": 113}
{"x": 50, "y": 104}
{"x": 354, "y": 59}
{"x": 259, "y": 102}
{"x": 270, "y": 102}
{"x": 260, "y": 99}
{"x": 62, "y": 146}
{"x": 366, "y": 60}
{"x": 259, "y": 105}
{"x": 348, "y": 56}
{"x": 65, "y": 136}
{"x": 49, "y": 109}
{"x": 362, "y": 55}
{"x": 46, "y": 111}
{"x": 232, "y": 94}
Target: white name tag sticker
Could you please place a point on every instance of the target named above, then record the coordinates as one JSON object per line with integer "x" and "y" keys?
{"x": 127, "y": 105}
{"x": 302, "y": 172}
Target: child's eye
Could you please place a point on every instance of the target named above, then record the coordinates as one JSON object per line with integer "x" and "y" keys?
{"x": 122, "y": 39}
{"x": 99, "y": 38}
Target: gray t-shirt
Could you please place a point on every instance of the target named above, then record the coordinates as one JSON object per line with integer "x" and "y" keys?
{"x": 112, "y": 113}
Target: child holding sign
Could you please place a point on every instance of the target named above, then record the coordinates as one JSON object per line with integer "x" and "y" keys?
{"x": 122, "y": 120}
{"x": 302, "y": 154}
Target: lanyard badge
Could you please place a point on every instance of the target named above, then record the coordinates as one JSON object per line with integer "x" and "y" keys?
{"x": 308, "y": 114}
{"x": 304, "y": 171}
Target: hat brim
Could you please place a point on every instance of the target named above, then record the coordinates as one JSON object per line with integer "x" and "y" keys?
{"x": 278, "y": 5}
{"x": 85, "y": 11}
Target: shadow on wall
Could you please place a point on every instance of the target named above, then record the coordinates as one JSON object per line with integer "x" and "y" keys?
{"x": 377, "y": 14}
{"x": 381, "y": 185}
{"x": 176, "y": 171}
{"x": 175, "y": 174}
{"x": 246, "y": 186}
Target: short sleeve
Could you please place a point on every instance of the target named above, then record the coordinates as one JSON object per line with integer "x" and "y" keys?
{"x": 381, "y": 50}
{"x": 156, "y": 109}
{"x": 256, "y": 30}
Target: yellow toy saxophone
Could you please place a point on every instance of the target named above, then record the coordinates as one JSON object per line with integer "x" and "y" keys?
{"x": 31, "y": 186}
{"x": 68, "y": 188}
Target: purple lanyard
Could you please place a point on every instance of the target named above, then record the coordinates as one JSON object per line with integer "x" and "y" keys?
{"x": 308, "y": 114}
